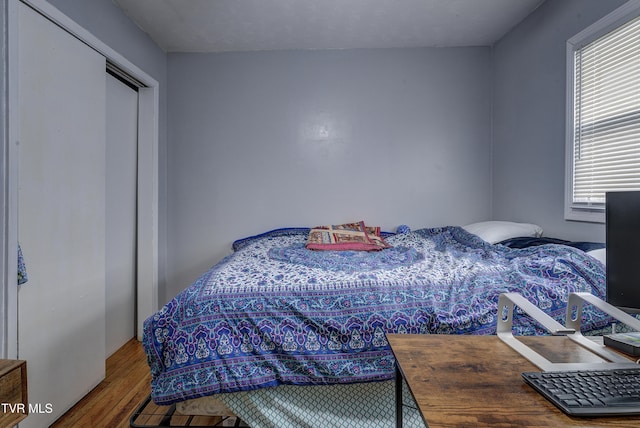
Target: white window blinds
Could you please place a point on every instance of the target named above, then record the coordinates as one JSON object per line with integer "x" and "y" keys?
{"x": 606, "y": 119}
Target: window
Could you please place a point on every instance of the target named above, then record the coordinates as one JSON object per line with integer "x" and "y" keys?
{"x": 603, "y": 112}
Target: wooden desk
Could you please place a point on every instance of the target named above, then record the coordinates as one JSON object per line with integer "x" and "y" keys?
{"x": 473, "y": 381}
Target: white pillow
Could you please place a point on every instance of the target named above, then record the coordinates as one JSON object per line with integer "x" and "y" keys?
{"x": 600, "y": 254}
{"x": 496, "y": 231}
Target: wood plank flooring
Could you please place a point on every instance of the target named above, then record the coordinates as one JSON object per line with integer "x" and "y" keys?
{"x": 114, "y": 400}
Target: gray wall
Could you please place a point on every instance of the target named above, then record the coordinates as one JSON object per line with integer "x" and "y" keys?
{"x": 529, "y": 74}
{"x": 109, "y": 24}
{"x": 264, "y": 140}
{"x": 257, "y": 141}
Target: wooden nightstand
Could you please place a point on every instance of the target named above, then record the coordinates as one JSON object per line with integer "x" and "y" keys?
{"x": 13, "y": 392}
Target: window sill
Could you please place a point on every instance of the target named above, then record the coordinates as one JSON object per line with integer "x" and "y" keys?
{"x": 589, "y": 216}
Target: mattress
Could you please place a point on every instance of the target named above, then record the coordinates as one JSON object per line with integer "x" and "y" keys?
{"x": 368, "y": 405}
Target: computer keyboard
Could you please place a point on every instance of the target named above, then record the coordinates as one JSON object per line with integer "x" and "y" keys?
{"x": 590, "y": 392}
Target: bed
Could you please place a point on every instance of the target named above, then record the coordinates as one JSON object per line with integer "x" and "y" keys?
{"x": 287, "y": 336}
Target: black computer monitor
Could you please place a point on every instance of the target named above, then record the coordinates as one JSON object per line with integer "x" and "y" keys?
{"x": 623, "y": 250}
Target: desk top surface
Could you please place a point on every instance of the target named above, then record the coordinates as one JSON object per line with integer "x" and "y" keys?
{"x": 460, "y": 380}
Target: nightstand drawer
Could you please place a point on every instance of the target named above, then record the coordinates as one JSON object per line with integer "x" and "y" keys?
{"x": 13, "y": 392}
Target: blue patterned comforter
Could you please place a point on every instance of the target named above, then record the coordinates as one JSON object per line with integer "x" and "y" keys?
{"x": 275, "y": 313}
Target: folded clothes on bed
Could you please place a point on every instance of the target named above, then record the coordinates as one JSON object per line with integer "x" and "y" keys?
{"x": 349, "y": 236}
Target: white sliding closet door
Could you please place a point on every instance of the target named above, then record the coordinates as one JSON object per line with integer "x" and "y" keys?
{"x": 61, "y": 309}
{"x": 122, "y": 171}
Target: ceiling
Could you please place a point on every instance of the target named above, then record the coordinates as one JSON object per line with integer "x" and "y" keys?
{"x": 254, "y": 25}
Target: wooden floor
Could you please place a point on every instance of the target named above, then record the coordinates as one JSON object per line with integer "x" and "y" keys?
{"x": 111, "y": 403}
